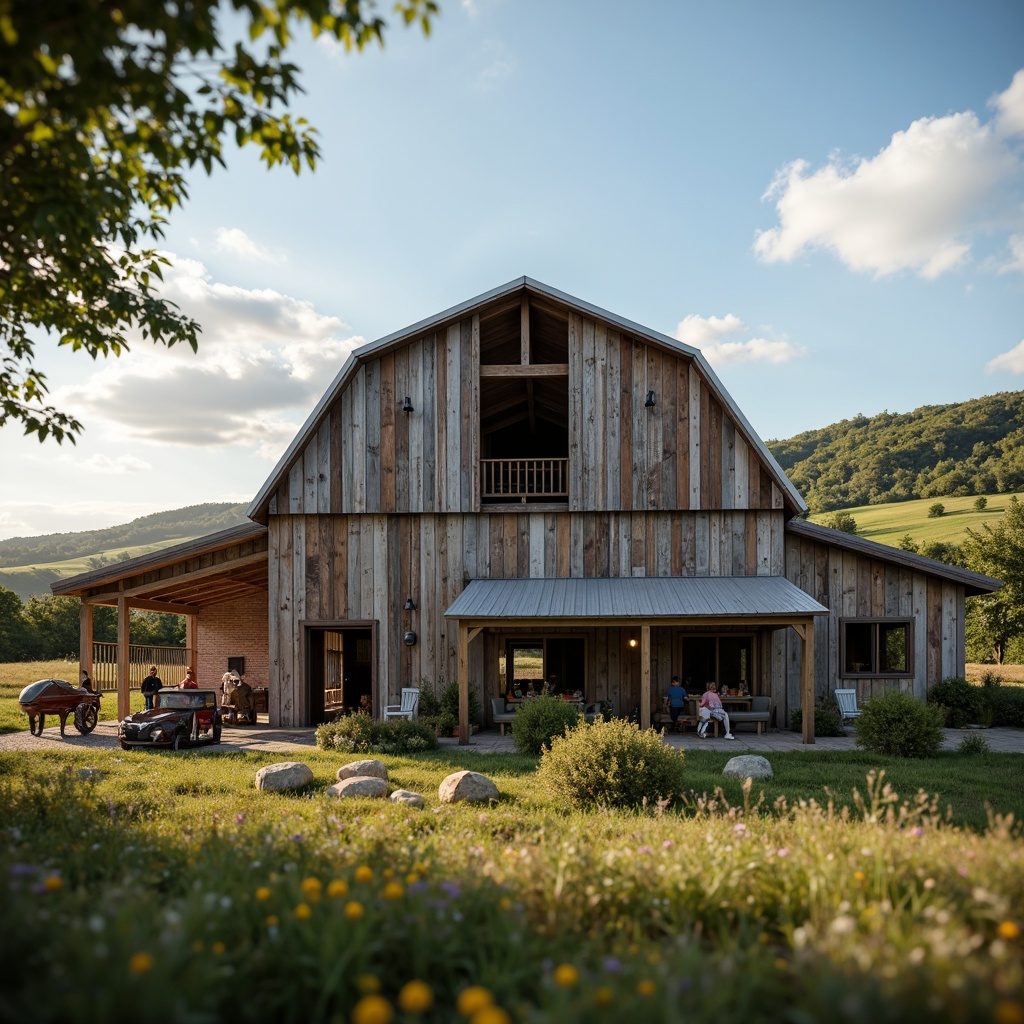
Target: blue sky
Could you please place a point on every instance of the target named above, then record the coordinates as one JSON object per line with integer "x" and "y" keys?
{"x": 828, "y": 199}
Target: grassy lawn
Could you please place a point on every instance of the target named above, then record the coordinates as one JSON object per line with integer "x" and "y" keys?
{"x": 299, "y": 907}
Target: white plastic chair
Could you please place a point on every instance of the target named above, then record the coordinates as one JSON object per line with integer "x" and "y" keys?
{"x": 409, "y": 708}
{"x": 847, "y": 701}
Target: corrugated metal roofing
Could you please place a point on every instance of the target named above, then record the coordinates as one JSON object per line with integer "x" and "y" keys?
{"x": 675, "y": 597}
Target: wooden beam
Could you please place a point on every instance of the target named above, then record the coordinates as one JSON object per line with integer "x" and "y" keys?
{"x": 531, "y": 410}
{"x": 463, "y": 685}
{"x": 123, "y": 635}
{"x": 195, "y": 574}
{"x": 191, "y": 654}
{"x": 520, "y": 370}
{"x": 807, "y": 681}
{"x": 85, "y": 638}
{"x": 474, "y": 633}
{"x": 645, "y": 677}
{"x": 524, "y": 331}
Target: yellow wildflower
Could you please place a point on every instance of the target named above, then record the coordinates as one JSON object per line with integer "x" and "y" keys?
{"x": 387, "y": 873}
{"x": 140, "y": 963}
{"x": 353, "y": 910}
{"x": 311, "y": 889}
{"x": 505, "y": 903}
{"x": 1009, "y": 930}
{"x": 337, "y": 888}
{"x": 272, "y": 921}
{"x": 1008, "y": 1012}
{"x": 372, "y": 1010}
{"x": 566, "y": 976}
{"x": 472, "y": 999}
{"x": 52, "y": 883}
{"x": 393, "y": 891}
{"x": 218, "y": 948}
{"x": 364, "y": 873}
{"x": 490, "y": 1015}
{"x": 412, "y": 878}
{"x": 604, "y": 996}
{"x": 645, "y": 987}
{"x": 419, "y": 867}
{"x": 263, "y": 893}
{"x": 303, "y": 911}
{"x": 415, "y": 997}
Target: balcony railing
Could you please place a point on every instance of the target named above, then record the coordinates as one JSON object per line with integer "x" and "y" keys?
{"x": 524, "y": 479}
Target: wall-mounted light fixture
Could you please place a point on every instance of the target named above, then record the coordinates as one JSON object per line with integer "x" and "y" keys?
{"x": 407, "y": 404}
{"x": 410, "y": 605}
{"x": 409, "y": 638}
{"x": 650, "y": 400}
{"x": 632, "y": 641}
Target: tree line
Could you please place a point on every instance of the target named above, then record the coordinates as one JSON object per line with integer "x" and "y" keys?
{"x": 46, "y": 628}
{"x": 974, "y": 447}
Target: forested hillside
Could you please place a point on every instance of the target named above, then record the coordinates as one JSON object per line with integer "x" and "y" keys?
{"x": 974, "y": 447}
{"x": 177, "y": 524}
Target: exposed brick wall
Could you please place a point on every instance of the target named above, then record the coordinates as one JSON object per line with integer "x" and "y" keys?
{"x": 234, "y": 628}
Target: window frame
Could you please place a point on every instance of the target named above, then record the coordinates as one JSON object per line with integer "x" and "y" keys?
{"x": 875, "y": 621}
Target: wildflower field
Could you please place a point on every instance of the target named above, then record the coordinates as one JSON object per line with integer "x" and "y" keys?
{"x": 165, "y": 887}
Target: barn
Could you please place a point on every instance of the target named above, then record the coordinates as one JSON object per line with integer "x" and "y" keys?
{"x": 524, "y": 480}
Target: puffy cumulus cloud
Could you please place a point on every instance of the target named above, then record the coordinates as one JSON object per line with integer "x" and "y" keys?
{"x": 237, "y": 242}
{"x": 100, "y": 463}
{"x": 921, "y": 204}
{"x": 264, "y": 360}
{"x": 1008, "y": 362}
{"x": 717, "y": 337}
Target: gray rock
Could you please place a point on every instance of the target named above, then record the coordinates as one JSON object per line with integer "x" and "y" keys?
{"x": 369, "y": 768}
{"x": 467, "y": 787}
{"x": 359, "y": 786}
{"x": 407, "y": 796}
{"x": 748, "y": 766}
{"x": 284, "y": 775}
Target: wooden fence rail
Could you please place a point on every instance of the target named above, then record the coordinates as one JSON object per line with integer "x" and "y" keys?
{"x": 170, "y": 662}
{"x": 522, "y": 479}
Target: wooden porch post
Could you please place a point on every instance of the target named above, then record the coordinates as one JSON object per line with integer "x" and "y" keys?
{"x": 190, "y": 644}
{"x": 463, "y": 685}
{"x": 123, "y": 637}
{"x": 85, "y": 638}
{"x": 645, "y": 677}
{"x": 806, "y": 632}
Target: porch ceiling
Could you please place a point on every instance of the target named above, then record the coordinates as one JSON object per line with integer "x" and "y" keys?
{"x": 661, "y": 600}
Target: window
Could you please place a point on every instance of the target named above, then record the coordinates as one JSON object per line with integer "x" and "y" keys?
{"x": 877, "y": 647}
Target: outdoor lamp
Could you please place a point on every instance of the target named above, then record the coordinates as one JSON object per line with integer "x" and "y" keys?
{"x": 409, "y": 638}
{"x": 407, "y": 404}
{"x": 650, "y": 400}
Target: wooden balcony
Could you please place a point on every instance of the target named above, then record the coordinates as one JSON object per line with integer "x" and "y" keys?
{"x": 523, "y": 480}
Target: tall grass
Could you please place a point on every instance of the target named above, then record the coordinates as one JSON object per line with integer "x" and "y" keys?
{"x": 172, "y": 887}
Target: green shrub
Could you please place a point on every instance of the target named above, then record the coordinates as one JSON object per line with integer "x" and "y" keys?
{"x": 449, "y": 702}
{"x": 430, "y": 706}
{"x": 900, "y": 725}
{"x": 539, "y": 720}
{"x": 362, "y": 734}
{"x": 611, "y": 764}
{"x": 973, "y": 745}
{"x": 827, "y": 720}
{"x": 959, "y": 700}
{"x": 1004, "y": 704}
{"x": 443, "y": 723}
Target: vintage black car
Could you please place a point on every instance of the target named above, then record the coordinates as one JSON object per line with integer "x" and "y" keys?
{"x": 61, "y": 698}
{"x": 179, "y": 718}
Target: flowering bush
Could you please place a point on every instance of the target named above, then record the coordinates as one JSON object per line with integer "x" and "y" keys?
{"x": 363, "y": 734}
{"x": 897, "y": 723}
{"x": 612, "y": 764}
{"x": 539, "y": 720}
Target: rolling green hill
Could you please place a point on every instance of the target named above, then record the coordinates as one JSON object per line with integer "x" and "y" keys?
{"x": 937, "y": 451}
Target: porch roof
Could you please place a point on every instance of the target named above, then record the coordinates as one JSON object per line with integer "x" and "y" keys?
{"x": 665, "y": 599}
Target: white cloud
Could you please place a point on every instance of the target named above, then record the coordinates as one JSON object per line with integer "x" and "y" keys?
{"x": 1008, "y": 362}
{"x": 237, "y": 242}
{"x": 712, "y": 336}
{"x": 495, "y": 65}
{"x": 100, "y": 463}
{"x": 1015, "y": 264}
{"x": 264, "y": 360}
{"x": 922, "y": 203}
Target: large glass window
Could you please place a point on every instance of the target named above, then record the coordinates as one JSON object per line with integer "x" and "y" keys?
{"x": 727, "y": 660}
{"x": 877, "y": 647}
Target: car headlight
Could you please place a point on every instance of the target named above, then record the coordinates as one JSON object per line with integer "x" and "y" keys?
{"x": 157, "y": 734}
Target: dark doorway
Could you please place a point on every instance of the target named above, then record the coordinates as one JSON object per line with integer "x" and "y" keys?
{"x": 340, "y": 673}
{"x": 565, "y": 661}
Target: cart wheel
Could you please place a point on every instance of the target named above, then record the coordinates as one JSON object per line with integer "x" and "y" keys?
{"x": 85, "y": 718}
{"x": 35, "y": 724}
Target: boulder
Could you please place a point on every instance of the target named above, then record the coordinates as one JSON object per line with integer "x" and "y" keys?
{"x": 467, "y": 787}
{"x": 369, "y": 768}
{"x": 359, "y": 786}
{"x": 748, "y": 766}
{"x": 284, "y": 775}
{"x": 407, "y": 796}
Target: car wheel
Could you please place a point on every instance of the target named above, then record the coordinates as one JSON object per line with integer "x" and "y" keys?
{"x": 179, "y": 741}
{"x": 216, "y": 732}
{"x": 85, "y": 718}
{"x": 125, "y": 746}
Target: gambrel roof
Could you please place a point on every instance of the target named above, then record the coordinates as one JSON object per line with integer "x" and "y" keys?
{"x": 487, "y": 303}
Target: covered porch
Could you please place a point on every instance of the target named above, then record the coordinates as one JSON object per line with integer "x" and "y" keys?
{"x": 189, "y": 579}
{"x": 633, "y": 634}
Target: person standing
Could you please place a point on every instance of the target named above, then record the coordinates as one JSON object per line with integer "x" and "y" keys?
{"x": 150, "y": 685}
{"x": 189, "y": 682}
{"x": 675, "y": 695}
